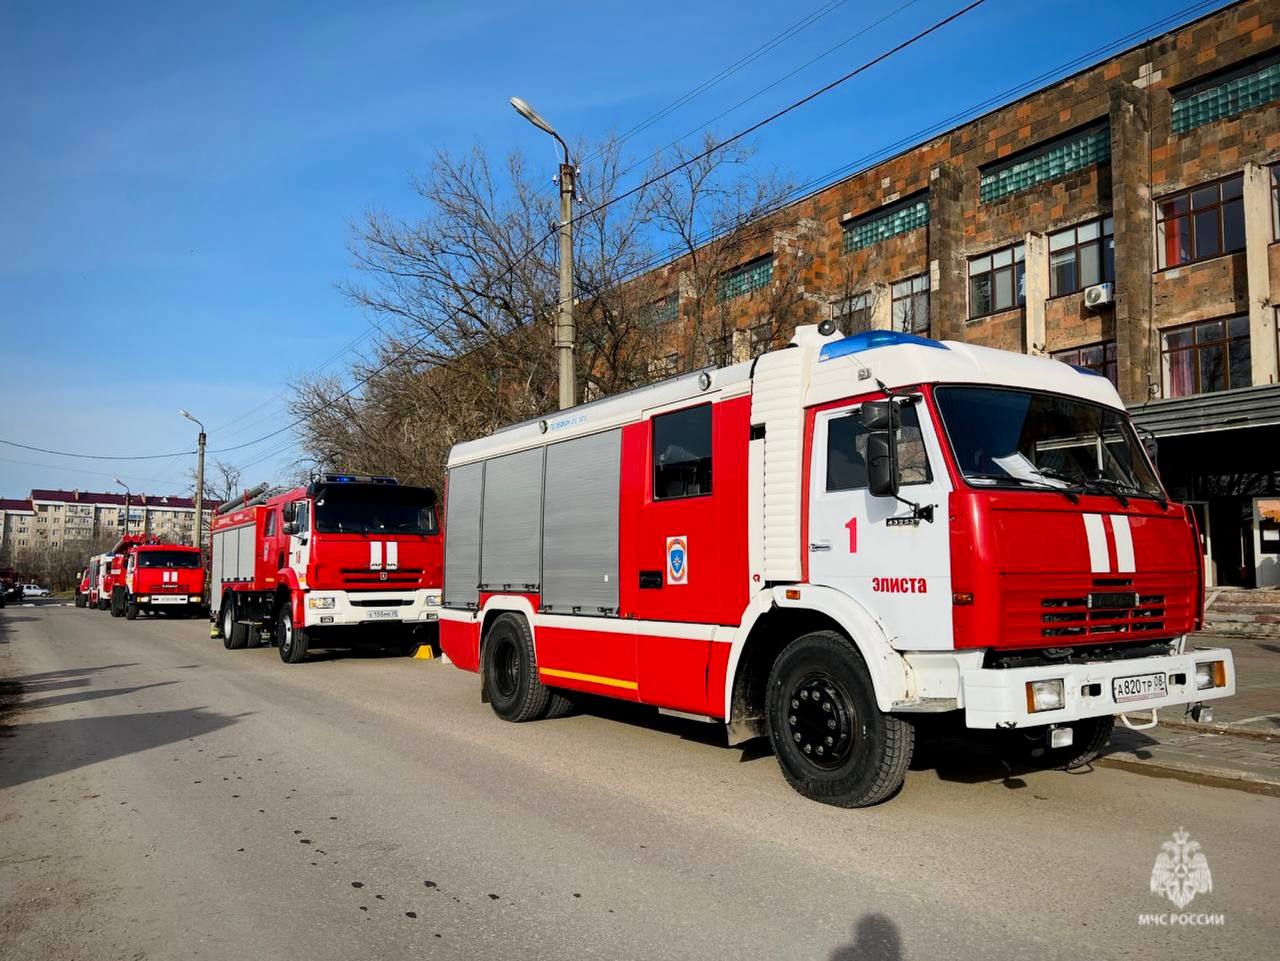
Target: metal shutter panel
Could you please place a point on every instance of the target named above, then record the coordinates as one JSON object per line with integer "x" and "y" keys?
{"x": 462, "y": 536}
{"x": 580, "y": 524}
{"x": 511, "y": 533}
{"x": 246, "y": 554}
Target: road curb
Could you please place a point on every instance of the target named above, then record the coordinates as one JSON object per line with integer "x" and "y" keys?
{"x": 1228, "y": 778}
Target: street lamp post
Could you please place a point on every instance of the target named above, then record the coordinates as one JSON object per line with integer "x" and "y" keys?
{"x": 199, "y": 525}
{"x": 127, "y": 493}
{"x": 566, "y": 334}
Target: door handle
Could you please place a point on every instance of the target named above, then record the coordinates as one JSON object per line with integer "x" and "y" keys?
{"x": 820, "y": 546}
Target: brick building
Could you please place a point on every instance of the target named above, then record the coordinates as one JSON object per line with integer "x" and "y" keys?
{"x": 1125, "y": 219}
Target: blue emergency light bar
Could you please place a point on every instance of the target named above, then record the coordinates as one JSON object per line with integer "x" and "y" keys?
{"x": 871, "y": 339}
{"x": 357, "y": 479}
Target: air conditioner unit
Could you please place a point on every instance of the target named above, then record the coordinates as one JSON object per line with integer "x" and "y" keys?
{"x": 1099, "y": 296}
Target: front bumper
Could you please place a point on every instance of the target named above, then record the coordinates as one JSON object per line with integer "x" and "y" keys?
{"x": 168, "y": 601}
{"x": 997, "y": 698}
{"x": 370, "y": 607}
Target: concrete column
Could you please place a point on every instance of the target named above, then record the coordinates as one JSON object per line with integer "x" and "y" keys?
{"x": 1037, "y": 291}
{"x": 948, "y": 295}
{"x": 1137, "y": 353}
{"x": 881, "y": 307}
{"x": 1257, "y": 236}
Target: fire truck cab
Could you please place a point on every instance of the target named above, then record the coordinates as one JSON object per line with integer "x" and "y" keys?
{"x": 343, "y": 561}
{"x": 163, "y": 578}
{"x": 824, "y": 544}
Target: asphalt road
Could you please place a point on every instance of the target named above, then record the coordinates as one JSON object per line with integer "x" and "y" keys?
{"x": 161, "y": 797}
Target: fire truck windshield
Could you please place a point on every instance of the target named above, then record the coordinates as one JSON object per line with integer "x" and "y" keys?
{"x": 168, "y": 558}
{"x": 377, "y": 510}
{"x": 1004, "y": 437}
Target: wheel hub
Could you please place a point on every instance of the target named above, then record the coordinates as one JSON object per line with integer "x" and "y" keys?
{"x": 506, "y": 669}
{"x": 820, "y": 721}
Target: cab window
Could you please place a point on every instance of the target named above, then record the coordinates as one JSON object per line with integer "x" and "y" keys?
{"x": 271, "y": 524}
{"x": 847, "y": 452}
{"x": 302, "y": 516}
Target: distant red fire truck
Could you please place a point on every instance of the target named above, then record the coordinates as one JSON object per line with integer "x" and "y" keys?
{"x": 827, "y": 543}
{"x": 160, "y": 578}
{"x": 346, "y": 560}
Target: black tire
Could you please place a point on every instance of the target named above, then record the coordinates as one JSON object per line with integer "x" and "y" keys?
{"x": 291, "y": 642}
{"x": 511, "y": 671}
{"x": 558, "y": 705}
{"x": 130, "y": 611}
{"x": 832, "y": 742}
{"x": 117, "y": 603}
{"x": 234, "y": 635}
{"x": 1090, "y": 736}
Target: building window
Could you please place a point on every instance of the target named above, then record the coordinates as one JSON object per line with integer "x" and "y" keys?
{"x": 1207, "y": 357}
{"x": 855, "y": 314}
{"x": 1275, "y": 203}
{"x": 909, "y": 305}
{"x": 664, "y": 311}
{"x": 720, "y": 349}
{"x": 886, "y": 222}
{"x": 1200, "y": 223}
{"x": 761, "y": 339}
{"x": 1226, "y": 95}
{"x": 1082, "y": 256}
{"x": 682, "y": 453}
{"x": 997, "y": 281}
{"x": 1099, "y": 358}
{"x": 745, "y": 279}
{"x": 1049, "y": 161}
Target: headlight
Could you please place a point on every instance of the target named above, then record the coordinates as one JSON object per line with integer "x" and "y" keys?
{"x": 1045, "y": 696}
{"x": 320, "y": 603}
{"x": 194, "y": 598}
{"x": 433, "y": 597}
{"x": 1211, "y": 674}
{"x": 144, "y": 598}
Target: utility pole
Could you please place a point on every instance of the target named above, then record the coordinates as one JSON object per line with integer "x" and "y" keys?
{"x": 566, "y": 331}
{"x": 198, "y": 528}
{"x": 127, "y": 493}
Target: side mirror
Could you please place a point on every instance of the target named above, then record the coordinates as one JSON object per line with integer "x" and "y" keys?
{"x": 291, "y": 527}
{"x": 881, "y": 415}
{"x": 883, "y": 477}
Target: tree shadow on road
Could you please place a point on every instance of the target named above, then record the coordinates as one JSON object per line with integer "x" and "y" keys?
{"x": 54, "y": 700}
{"x": 875, "y": 938}
{"x": 46, "y": 748}
{"x": 60, "y": 680}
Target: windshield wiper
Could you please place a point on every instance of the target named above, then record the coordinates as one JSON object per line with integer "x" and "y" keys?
{"x": 1119, "y": 489}
{"x": 1070, "y": 493}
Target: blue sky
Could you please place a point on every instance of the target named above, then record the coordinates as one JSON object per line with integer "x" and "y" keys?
{"x": 177, "y": 179}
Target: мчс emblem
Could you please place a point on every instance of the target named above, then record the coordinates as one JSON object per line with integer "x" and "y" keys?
{"x": 1181, "y": 870}
{"x": 677, "y": 560}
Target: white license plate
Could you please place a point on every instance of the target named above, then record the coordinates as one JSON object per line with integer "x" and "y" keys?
{"x": 381, "y": 615}
{"x": 1139, "y": 687}
{"x": 168, "y": 598}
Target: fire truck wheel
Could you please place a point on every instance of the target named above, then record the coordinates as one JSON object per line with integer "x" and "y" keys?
{"x": 234, "y": 635}
{"x": 117, "y": 604}
{"x": 291, "y": 641}
{"x": 558, "y": 706}
{"x": 511, "y": 673}
{"x": 130, "y": 611}
{"x": 832, "y": 742}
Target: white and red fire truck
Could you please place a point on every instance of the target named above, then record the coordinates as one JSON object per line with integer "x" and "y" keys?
{"x": 826, "y": 543}
{"x": 160, "y": 579}
{"x": 346, "y": 560}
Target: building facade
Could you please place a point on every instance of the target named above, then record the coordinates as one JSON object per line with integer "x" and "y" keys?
{"x": 51, "y": 519}
{"x": 1123, "y": 219}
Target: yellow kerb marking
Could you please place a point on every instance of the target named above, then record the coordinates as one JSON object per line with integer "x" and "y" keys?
{"x": 590, "y": 678}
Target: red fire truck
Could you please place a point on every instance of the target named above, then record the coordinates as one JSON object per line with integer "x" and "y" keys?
{"x": 157, "y": 578}
{"x": 111, "y": 573}
{"x": 82, "y": 588}
{"x": 348, "y": 559}
{"x": 825, "y": 544}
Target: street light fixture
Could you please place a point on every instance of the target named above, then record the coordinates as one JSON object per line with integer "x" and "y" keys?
{"x": 566, "y": 335}
{"x": 127, "y": 494}
{"x": 198, "y": 527}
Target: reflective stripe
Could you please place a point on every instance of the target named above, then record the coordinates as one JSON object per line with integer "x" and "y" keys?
{"x": 1124, "y": 543}
{"x": 589, "y": 678}
{"x": 375, "y": 555}
{"x": 1099, "y": 556}
{"x": 393, "y": 554}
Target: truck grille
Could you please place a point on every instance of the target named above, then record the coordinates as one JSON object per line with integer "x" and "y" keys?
{"x": 1072, "y": 617}
{"x": 400, "y": 577}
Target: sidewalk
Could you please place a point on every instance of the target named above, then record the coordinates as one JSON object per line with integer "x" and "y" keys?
{"x": 1240, "y": 748}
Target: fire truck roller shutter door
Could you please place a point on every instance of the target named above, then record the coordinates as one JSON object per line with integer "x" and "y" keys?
{"x": 462, "y": 536}
{"x": 511, "y": 522}
{"x": 580, "y": 525}
{"x": 245, "y": 555}
{"x": 215, "y": 574}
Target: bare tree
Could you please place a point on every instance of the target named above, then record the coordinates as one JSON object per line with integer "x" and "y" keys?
{"x": 221, "y": 481}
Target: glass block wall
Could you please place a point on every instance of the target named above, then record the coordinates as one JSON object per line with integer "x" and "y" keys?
{"x": 1056, "y": 160}
{"x": 748, "y": 277}
{"x": 871, "y": 230}
{"x": 1227, "y": 99}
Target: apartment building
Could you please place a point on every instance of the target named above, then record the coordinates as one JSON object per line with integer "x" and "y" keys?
{"x": 17, "y": 521}
{"x": 52, "y": 518}
{"x": 1124, "y": 219}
